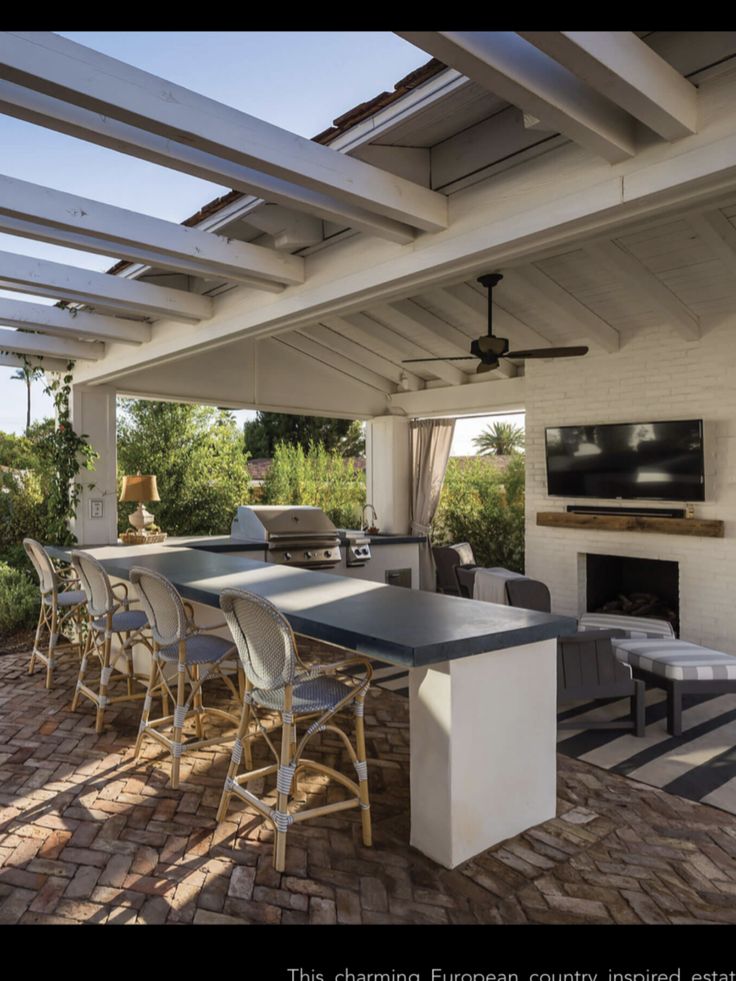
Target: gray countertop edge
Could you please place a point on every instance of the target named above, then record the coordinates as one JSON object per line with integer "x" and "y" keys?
{"x": 226, "y": 544}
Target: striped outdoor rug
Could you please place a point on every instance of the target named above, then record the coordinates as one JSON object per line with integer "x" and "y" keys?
{"x": 700, "y": 764}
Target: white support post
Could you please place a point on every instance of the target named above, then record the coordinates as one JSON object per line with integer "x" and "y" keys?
{"x": 93, "y": 414}
{"x": 482, "y": 736}
{"x": 388, "y": 472}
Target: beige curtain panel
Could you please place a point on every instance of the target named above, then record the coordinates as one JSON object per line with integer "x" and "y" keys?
{"x": 431, "y": 440}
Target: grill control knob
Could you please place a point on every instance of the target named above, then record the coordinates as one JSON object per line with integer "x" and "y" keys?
{"x": 287, "y": 556}
{"x": 327, "y": 553}
{"x": 307, "y": 555}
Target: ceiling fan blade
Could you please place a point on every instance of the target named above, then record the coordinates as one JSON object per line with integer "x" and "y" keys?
{"x": 466, "y": 357}
{"x": 549, "y": 352}
{"x": 485, "y": 366}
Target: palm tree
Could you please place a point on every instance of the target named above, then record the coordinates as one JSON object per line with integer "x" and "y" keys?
{"x": 502, "y": 438}
{"x": 25, "y": 375}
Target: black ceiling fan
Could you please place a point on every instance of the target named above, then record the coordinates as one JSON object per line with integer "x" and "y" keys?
{"x": 490, "y": 349}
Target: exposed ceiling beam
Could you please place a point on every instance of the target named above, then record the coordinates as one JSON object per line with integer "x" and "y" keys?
{"x": 718, "y": 234}
{"x": 62, "y": 282}
{"x": 71, "y": 323}
{"x": 45, "y": 364}
{"x": 563, "y": 305}
{"x": 329, "y": 357}
{"x": 135, "y": 236}
{"x": 364, "y": 355}
{"x": 649, "y": 286}
{"x": 443, "y": 329}
{"x": 464, "y": 300}
{"x": 514, "y": 69}
{"x": 393, "y": 346}
{"x": 625, "y": 70}
{"x": 19, "y": 342}
{"x": 55, "y": 66}
{"x": 412, "y": 330}
{"x": 34, "y": 107}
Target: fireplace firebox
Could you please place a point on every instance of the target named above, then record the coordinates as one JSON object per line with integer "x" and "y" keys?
{"x": 633, "y": 587}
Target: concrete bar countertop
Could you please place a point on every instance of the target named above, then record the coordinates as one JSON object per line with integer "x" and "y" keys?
{"x": 402, "y": 626}
{"x": 224, "y": 543}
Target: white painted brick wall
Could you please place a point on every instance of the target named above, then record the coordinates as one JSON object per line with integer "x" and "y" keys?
{"x": 656, "y": 375}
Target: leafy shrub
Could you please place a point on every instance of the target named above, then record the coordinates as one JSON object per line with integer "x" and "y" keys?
{"x": 23, "y": 514}
{"x": 197, "y": 455}
{"x": 483, "y": 503}
{"x": 318, "y": 478}
{"x": 19, "y": 600}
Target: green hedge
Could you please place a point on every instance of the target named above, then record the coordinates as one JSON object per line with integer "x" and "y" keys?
{"x": 19, "y": 600}
{"x": 482, "y": 503}
{"x": 316, "y": 477}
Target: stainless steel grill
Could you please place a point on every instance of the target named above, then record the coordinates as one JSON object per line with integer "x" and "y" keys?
{"x": 291, "y": 535}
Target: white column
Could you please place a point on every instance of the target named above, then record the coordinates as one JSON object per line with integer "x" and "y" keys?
{"x": 93, "y": 414}
{"x": 483, "y": 749}
{"x": 388, "y": 472}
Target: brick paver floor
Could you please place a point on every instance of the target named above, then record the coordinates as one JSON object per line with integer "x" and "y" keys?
{"x": 86, "y": 834}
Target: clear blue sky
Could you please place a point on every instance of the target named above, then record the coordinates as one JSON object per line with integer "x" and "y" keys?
{"x": 298, "y": 80}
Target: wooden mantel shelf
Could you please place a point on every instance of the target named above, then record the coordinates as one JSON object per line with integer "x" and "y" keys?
{"x": 705, "y": 528}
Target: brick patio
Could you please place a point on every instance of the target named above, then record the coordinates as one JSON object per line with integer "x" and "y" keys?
{"x": 87, "y": 835}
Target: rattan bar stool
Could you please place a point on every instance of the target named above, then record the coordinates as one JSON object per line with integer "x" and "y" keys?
{"x": 276, "y": 680}
{"x": 62, "y": 609}
{"x": 108, "y": 615}
{"x": 178, "y": 641}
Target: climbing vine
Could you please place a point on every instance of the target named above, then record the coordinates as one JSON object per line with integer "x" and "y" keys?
{"x": 66, "y": 453}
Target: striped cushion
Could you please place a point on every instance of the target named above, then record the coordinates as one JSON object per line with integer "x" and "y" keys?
{"x": 676, "y": 659}
{"x": 123, "y": 622}
{"x": 634, "y": 626}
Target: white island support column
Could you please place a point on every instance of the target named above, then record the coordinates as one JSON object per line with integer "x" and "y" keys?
{"x": 483, "y": 749}
{"x": 388, "y": 472}
{"x": 94, "y": 415}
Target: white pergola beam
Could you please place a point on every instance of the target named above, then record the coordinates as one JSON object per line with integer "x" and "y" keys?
{"x": 514, "y": 69}
{"x": 338, "y": 362}
{"x": 563, "y": 305}
{"x": 45, "y": 364}
{"x": 718, "y": 234}
{"x": 364, "y": 355}
{"x": 62, "y": 282}
{"x": 392, "y": 345}
{"x": 60, "y": 322}
{"x": 107, "y": 226}
{"x": 51, "y": 64}
{"x": 627, "y": 71}
{"x": 649, "y": 286}
{"x": 19, "y": 342}
{"x": 42, "y": 110}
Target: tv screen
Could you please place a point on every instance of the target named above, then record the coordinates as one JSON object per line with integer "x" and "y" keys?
{"x": 634, "y": 461}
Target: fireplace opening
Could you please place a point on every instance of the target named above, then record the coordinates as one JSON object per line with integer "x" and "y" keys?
{"x": 633, "y": 587}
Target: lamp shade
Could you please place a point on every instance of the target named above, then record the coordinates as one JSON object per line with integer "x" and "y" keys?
{"x": 141, "y": 487}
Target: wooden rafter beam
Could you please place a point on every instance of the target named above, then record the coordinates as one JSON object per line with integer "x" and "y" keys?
{"x": 55, "y": 66}
{"x": 718, "y": 234}
{"x": 627, "y": 71}
{"x": 42, "y": 110}
{"x": 465, "y": 301}
{"x": 338, "y": 362}
{"x": 514, "y": 69}
{"x": 548, "y": 293}
{"x": 68, "y": 219}
{"x": 71, "y": 323}
{"x": 364, "y": 355}
{"x": 647, "y": 285}
{"x": 45, "y": 364}
{"x": 54, "y": 279}
{"x": 19, "y": 342}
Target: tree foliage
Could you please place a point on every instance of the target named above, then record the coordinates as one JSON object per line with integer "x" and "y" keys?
{"x": 197, "y": 455}
{"x": 317, "y": 477}
{"x": 484, "y": 504}
{"x": 501, "y": 439}
{"x": 268, "y": 429}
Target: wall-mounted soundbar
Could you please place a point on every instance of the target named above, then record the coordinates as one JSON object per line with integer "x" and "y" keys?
{"x": 637, "y": 512}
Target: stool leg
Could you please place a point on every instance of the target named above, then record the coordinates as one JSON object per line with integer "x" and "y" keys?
{"x": 282, "y": 798}
{"x": 53, "y": 640}
{"x": 197, "y": 701}
{"x": 152, "y": 678}
{"x": 365, "y": 813}
{"x": 104, "y": 681}
{"x": 39, "y": 629}
{"x": 82, "y": 668}
{"x": 178, "y": 729}
{"x": 234, "y": 761}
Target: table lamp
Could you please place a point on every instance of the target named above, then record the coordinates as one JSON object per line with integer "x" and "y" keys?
{"x": 140, "y": 488}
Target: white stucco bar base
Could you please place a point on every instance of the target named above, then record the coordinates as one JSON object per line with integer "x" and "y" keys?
{"x": 482, "y": 735}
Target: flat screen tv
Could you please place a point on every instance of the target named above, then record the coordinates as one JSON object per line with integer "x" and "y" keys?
{"x": 656, "y": 461}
